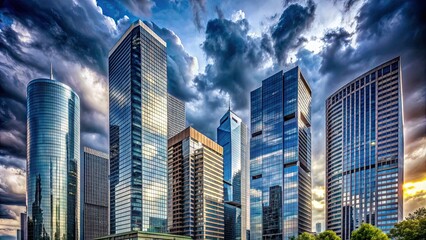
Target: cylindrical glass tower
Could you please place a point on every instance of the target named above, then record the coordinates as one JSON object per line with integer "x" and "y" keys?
{"x": 53, "y": 159}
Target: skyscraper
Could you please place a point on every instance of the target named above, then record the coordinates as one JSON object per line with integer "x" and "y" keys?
{"x": 138, "y": 131}
{"x": 232, "y": 136}
{"x": 195, "y": 206}
{"x": 365, "y": 151}
{"x": 176, "y": 118}
{"x": 95, "y": 194}
{"x": 23, "y": 226}
{"x": 53, "y": 159}
{"x": 280, "y": 157}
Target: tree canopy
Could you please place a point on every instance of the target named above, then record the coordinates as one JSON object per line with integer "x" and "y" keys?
{"x": 412, "y": 228}
{"x": 368, "y": 232}
{"x": 328, "y": 235}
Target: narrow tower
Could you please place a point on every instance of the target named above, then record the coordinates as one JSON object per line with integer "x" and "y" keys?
{"x": 232, "y": 136}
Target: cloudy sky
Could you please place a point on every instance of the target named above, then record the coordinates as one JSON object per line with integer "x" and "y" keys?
{"x": 216, "y": 50}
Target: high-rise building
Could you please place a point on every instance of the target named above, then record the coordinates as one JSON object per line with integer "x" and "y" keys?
{"x": 138, "y": 131}
{"x": 176, "y": 118}
{"x": 280, "y": 157}
{"x": 18, "y": 234}
{"x": 365, "y": 151}
{"x": 23, "y": 226}
{"x": 232, "y": 136}
{"x": 53, "y": 159}
{"x": 95, "y": 194}
{"x": 318, "y": 227}
{"x": 195, "y": 169}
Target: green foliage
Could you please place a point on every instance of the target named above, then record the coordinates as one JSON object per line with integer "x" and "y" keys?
{"x": 328, "y": 235}
{"x": 306, "y": 236}
{"x": 368, "y": 232}
{"x": 412, "y": 228}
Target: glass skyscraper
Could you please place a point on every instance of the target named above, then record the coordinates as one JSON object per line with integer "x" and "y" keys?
{"x": 95, "y": 194}
{"x": 53, "y": 159}
{"x": 232, "y": 136}
{"x": 176, "y": 118}
{"x": 280, "y": 157}
{"x": 365, "y": 151}
{"x": 138, "y": 131}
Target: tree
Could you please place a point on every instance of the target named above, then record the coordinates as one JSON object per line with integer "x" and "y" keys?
{"x": 328, "y": 235}
{"x": 412, "y": 228}
{"x": 368, "y": 232}
{"x": 305, "y": 236}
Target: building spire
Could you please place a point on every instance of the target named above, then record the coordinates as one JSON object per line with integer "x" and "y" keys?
{"x": 51, "y": 71}
{"x": 229, "y": 102}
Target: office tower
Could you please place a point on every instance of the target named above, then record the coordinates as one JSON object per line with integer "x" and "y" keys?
{"x": 232, "y": 136}
{"x": 95, "y": 194}
{"x": 195, "y": 169}
{"x": 138, "y": 131}
{"x": 53, "y": 160}
{"x": 280, "y": 157}
{"x": 23, "y": 226}
{"x": 318, "y": 227}
{"x": 18, "y": 234}
{"x": 365, "y": 151}
{"x": 176, "y": 118}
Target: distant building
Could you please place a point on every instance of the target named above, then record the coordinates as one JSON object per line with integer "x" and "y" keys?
{"x": 365, "y": 151}
{"x": 280, "y": 157}
{"x": 95, "y": 194}
{"x": 18, "y": 234}
{"x": 176, "y": 118}
{"x": 138, "y": 131}
{"x": 23, "y": 226}
{"x": 318, "y": 227}
{"x": 53, "y": 160}
{"x": 232, "y": 136}
{"x": 195, "y": 169}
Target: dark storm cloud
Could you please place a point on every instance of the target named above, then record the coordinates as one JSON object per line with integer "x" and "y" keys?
{"x": 286, "y": 33}
{"x": 72, "y": 31}
{"x": 7, "y": 213}
{"x": 236, "y": 57}
{"x": 198, "y": 8}
{"x": 139, "y": 7}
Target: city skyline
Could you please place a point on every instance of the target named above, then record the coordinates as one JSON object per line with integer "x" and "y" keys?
{"x": 330, "y": 56}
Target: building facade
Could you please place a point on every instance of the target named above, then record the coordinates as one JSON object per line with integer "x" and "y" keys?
{"x": 138, "y": 131}
{"x": 139, "y": 235}
{"x": 53, "y": 160}
{"x": 365, "y": 151}
{"x": 176, "y": 117}
{"x": 195, "y": 169}
{"x": 232, "y": 136}
{"x": 95, "y": 194}
{"x": 280, "y": 157}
